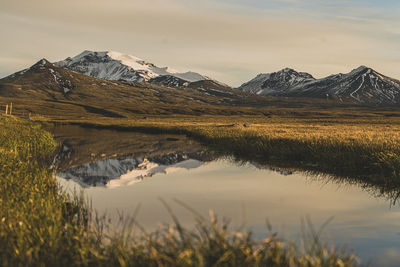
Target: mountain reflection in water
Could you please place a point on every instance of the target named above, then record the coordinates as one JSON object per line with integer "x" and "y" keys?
{"x": 109, "y": 158}
{"x": 112, "y": 173}
{"x": 101, "y": 159}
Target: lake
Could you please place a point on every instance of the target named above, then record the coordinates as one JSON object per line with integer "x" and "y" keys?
{"x": 120, "y": 170}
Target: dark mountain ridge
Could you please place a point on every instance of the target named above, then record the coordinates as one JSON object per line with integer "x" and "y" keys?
{"x": 362, "y": 85}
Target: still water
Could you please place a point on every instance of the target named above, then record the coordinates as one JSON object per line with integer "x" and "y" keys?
{"x": 119, "y": 171}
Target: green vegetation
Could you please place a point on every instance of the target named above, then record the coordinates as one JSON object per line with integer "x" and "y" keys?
{"x": 35, "y": 225}
{"x": 41, "y": 226}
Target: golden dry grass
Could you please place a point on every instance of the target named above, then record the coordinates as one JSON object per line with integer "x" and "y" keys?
{"x": 366, "y": 149}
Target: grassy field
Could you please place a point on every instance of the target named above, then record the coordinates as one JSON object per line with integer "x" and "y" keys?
{"x": 354, "y": 144}
{"x": 41, "y": 226}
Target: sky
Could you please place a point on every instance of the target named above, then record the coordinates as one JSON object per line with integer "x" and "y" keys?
{"x": 229, "y": 40}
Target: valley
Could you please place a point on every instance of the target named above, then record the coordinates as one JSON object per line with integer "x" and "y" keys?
{"x": 341, "y": 138}
{"x": 120, "y": 128}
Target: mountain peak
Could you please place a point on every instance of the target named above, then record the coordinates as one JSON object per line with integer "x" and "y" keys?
{"x": 292, "y": 72}
{"x": 360, "y": 69}
{"x": 112, "y": 65}
{"x": 287, "y": 70}
{"x": 41, "y": 64}
{"x": 103, "y": 54}
{"x": 43, "y": 61}
{"x": 85, "y": 53}
{"x": 273, "y": 83}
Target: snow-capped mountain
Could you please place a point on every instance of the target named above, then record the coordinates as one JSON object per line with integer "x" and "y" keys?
{"x": 361, "y": 85}
{"x": 112, "y": 65}
{"x": 274, "y": 83}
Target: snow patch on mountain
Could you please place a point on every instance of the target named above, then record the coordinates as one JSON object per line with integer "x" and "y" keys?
{"x": 65, "y": 84}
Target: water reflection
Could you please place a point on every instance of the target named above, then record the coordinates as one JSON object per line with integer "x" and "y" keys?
{"x": 93, "y": 157}
{"x": 112, "y": 173}
{"x": 387, "y": 188}
{"x": 182, "y": 169}
{"x": 109, "y": 158}
{"x": 81, "y": 145}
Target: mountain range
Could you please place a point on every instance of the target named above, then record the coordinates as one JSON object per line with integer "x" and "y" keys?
{"x": 45, "y": 88}
{"x": 114, "y": 74}
{"x": 362, "y": 85}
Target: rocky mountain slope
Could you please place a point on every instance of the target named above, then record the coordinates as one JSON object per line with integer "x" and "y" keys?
{"x": 42, "y": 80}
{"x": 362, "y": 85}
{"x": 169, "y": 80}
{"x": 277, "y": 82}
